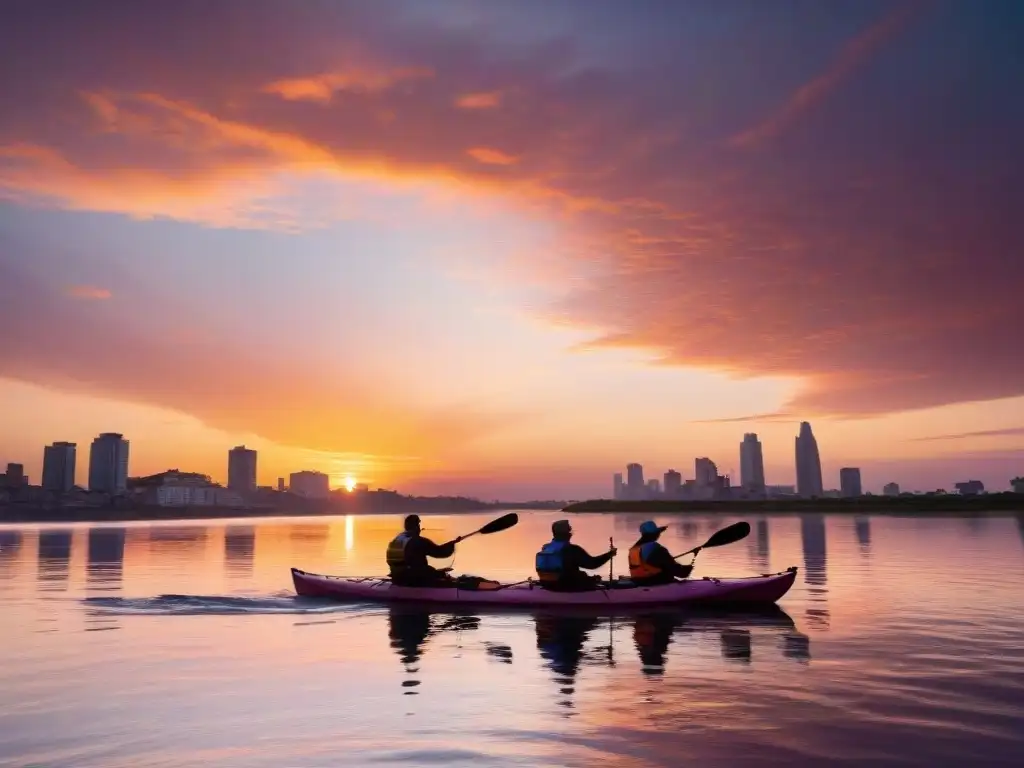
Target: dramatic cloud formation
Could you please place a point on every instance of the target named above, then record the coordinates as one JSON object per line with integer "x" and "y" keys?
{"x": 870, "y": 247}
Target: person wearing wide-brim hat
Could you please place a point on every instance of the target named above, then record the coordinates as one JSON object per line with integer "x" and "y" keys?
{"x": 649, "y": 562}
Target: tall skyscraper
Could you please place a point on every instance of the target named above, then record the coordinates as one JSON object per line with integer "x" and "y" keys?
{"x": 751, "y": 463}
{"x": 59, "y": 467}
{"x": 617, "y": 485}
{"x": 653, "y": 487}
{"x": 108, "y": 463}
{"x": 808, "y": 463}
{"x": 673, "y": 482}
{"x": 849, "y": 482}
{"x": 705, "y": 472}
{"x": 242, "y": 469}
{"x": 635, "y": 488}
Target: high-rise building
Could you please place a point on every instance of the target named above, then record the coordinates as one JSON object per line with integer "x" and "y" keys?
{"x": 311, "y": 485}
{"x": 242, "y": 469}
{"x": 15, "y": 475}
{"x": 635, "y": 488}
{"x": 280, "y": 485}
{"x": 891, "y": 489}
{"x": 673, "y": 483}
{"x": 108, "y": 463}
{"x": 849, "y": 482}
{"x": 59, "y": 467}
{"x": 617, "y": 485}
{"x": 653, "y": 487}
{"x": 808, "y": 463}
{"x": 751, "y": 463}
{"x": 705, "y": 472}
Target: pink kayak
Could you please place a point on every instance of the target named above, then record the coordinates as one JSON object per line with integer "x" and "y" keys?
{"x": 752, "y": 590}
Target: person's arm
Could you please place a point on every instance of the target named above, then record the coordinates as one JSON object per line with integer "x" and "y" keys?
{"x": 584, "y": 560}
{"x": 430, "y": 549}
{"x": 662, "y": 558}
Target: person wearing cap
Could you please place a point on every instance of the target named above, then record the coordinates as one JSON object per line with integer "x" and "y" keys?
{"x": 650, "y": 563}
{"x": 560, "y": 563}
{"x": 407, "y": 556}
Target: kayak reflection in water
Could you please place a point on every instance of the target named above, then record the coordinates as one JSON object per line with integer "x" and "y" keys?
{"x": 409, "y": 629}
{"x": 559, "y": 562}
{"x": 407, "y": 557}
{"x": 650, "y": 564}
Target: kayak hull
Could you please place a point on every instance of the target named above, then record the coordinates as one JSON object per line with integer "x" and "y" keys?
{"x": 748, "y": 591}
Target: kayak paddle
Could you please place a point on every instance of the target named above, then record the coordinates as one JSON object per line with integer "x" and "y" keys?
{"x": 503, "y": 523}
{"x": 728, "y": 535}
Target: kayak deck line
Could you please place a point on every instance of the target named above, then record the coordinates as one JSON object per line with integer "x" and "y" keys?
{"x": 707, "y": 590}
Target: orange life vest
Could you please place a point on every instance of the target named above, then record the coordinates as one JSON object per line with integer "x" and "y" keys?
{"x": 639, "y": 568}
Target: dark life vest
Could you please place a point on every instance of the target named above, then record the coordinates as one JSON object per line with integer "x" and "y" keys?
{"x": 396, "y": 552}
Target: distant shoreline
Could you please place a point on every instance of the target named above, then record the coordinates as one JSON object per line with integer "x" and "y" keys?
{"x": 878, "y": 505}
{"x": 26, "y": 514}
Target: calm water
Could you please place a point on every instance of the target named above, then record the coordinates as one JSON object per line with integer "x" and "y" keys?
{"x": 181, "y": 644}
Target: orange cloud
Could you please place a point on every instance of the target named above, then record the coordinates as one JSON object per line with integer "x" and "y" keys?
{"x": 488, "y": 100}
{"x": 489, "y": 156}
{"x": 321, "y": 88}
{"x": 89, "y": 292}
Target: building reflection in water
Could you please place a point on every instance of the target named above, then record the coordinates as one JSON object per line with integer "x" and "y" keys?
{"x": 105, "y": 559}
{"x": 409, "y": 629}
{"x": 1020, "y": 527}
{"x": 758, "y": 548}
{"x": 239, "y": 549}
{"x": 862, "y": 525}
{"x": 812, "y": 539}
{"x": 10, "y": 547}
{"x": 54, "y": 560}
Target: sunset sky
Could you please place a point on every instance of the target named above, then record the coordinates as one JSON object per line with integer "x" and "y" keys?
{"x": 504, "y": 248}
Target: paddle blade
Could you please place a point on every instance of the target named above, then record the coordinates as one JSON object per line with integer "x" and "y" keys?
{"x": 507, "y": 521}
{"x": 728, "y": 535}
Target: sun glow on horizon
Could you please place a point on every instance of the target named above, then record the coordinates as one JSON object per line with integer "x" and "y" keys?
{"x": 350, "y": 483}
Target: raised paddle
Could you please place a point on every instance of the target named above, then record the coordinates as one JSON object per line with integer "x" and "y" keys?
{"x": 503, "y": 523}
{"x": 728, "y": 535}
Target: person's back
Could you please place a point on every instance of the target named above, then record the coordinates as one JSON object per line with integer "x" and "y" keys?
{"x": 407, "y": 557}
{"x": 650, "y": 564}
{"x": 559, "y": 563}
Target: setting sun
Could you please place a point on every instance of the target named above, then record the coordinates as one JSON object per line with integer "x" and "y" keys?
{"x": 350, "y": 483}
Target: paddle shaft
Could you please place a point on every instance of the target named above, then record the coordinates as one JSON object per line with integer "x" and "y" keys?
{"x": 611, "y": 563}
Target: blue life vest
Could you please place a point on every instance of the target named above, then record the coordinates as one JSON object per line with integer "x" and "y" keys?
{"x": 550, "y": 561}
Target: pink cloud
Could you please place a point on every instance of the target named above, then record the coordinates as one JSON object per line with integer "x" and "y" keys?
{"x": 89, "y": 293}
